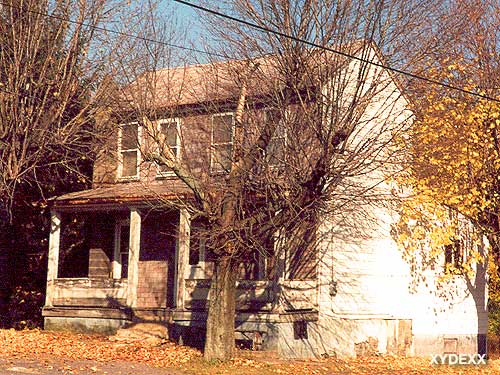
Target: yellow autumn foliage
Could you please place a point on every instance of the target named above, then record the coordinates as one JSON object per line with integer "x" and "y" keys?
{"x": 453, "y": 172}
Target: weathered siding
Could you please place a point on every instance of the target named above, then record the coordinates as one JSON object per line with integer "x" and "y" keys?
{"x": 250, "y": 295}
{"x": 364, "y": 284}
{"x": 195, "y": 140}
{"x": 157, "y": 259}
{"x": 365, "y": 304}
{"x": 99, "y": 264}
{"x": 90, "y": 292}
{"x": 152, "y": 287}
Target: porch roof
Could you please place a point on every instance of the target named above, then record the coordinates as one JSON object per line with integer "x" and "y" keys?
{"x": 124, "y": 193}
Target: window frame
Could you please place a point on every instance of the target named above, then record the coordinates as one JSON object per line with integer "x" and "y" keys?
{"x": 121, "y": 150}
{"x": 169, "y": 173}
{"x": 262, "y": 256}
{"x": 282, "y": 135}
{"x": 204, "y": 267}
{"x": 215, "y": 166}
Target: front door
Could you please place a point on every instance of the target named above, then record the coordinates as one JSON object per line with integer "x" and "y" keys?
{"x": 157, "y": 260}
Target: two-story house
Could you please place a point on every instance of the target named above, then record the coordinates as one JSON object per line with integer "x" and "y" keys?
{"x": 126, "y": 251}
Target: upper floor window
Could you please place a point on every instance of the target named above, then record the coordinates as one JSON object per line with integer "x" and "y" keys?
{"x": 275, "y": 151}
{"x": 222, "y": 142}
{"x": 129, "y": 153}
{"x": 170, "y": 128}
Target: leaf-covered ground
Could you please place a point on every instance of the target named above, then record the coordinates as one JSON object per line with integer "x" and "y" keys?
{"x": 38, "y": 352}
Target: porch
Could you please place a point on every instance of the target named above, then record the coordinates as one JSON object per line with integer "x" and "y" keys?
{"x": 110, "y": 265}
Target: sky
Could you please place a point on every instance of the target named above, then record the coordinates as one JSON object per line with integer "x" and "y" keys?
{"x": 184, "y": 12}
{"x": 189, "y": 23}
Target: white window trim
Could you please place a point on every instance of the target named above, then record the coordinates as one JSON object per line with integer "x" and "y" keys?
{"x": 214, "y": 166}
{"x": 117, "y": 260}
{"x": 200, "y": 269}
{"x": 137, "y": 150}
{"x": 177, "y": 121}
{"x": 202, "y": 246}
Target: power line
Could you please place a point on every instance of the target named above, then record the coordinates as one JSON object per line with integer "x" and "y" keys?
{"x": 352, "y": 57}
{"x": 105, "y": 29}
{"x": 253, "y": 25}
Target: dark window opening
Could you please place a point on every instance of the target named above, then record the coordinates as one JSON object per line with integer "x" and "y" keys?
{"x": 301, "y": 245}
{"x": 196, "y": 243}
{"x": 124, "y": 249}
{"x": 453, "y": 254}
{"x": 250, "y": 268}
{"x": 259, "y": 264}
{"x": 74, "y": 246}
{"x": 300, "y": 330}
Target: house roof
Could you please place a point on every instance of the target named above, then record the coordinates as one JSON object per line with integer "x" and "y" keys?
{"x": 124, "y": 193}
{"x": 173, "y": 87}
{"x": 193, "y": 84}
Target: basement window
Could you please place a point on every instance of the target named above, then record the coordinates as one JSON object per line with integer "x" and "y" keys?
{"x": 300, "y": 330}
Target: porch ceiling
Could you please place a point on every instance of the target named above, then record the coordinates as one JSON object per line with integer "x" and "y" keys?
{"x": 124, "y": 193}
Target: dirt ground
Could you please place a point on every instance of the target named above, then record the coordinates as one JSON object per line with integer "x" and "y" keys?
{"x": 49, "y": 353}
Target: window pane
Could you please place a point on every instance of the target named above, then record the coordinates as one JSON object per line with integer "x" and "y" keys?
{"x": 124, "y": 262}
{"x": 194, "y": 250}
{"x": 222, "y": 129}
{"x": 129, "y": 166}
{"x": 124, "y": 247}
{"x": 249, "y": 269}
{"x": 222, "y": 157}
{"x": 163, "y": 168}
{"x": 169, "y": 130}
{"x": 197, "y": 251}
{"x": 129, "y": 137}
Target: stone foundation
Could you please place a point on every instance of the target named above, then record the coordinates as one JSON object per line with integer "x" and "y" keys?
{"x": 103, "y": 326}
{"x": 340, "y": 337}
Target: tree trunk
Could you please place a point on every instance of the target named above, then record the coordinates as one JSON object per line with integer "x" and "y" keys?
{"x": 219, "y": 342}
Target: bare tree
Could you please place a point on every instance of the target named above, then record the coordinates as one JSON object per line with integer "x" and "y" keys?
{"x": 309, "y": 141}
{"x": 51, "y": 76}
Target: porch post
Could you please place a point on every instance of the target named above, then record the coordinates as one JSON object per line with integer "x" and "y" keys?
{"x": 182, "y": 256}
{"x": 133, "y": 256}
{"x": 53, "y": 258}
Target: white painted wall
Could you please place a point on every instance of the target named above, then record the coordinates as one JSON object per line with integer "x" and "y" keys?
{"x": 372, "y": 279}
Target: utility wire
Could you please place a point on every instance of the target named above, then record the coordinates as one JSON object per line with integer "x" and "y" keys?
{"x": 336, "y": 51}
{"x": 105, "y": 29}
{"x": 261, "y": 28}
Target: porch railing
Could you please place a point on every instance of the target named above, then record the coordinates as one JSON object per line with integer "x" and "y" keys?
{"x": 90, "y": 292}
{"x": 258, "y": 295}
